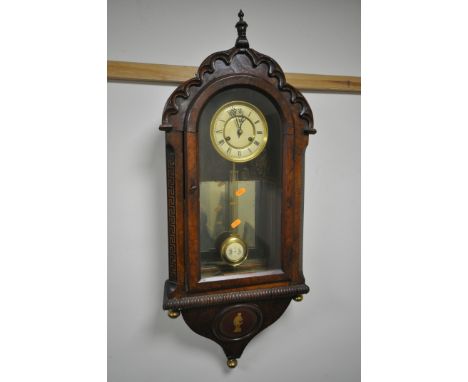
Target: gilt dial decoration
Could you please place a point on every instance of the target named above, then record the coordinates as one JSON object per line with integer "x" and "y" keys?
{"x": 239, "y": 131}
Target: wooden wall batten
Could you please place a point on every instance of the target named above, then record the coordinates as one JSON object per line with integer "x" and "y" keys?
{"x": 176, "y": 74}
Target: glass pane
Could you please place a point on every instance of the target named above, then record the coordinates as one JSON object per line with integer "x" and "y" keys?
{"x": 240, "y": 184}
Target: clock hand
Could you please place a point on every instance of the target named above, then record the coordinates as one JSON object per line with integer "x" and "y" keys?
{"x": 239, "y": 130}
{"x": 237, "y": 122}
{"x": 241, "y": 119}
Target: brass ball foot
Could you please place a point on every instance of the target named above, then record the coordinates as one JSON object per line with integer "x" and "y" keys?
{"x": 232, "y": 363}
{"x": 173, "y": 313}
{"x": 298, "y": 298}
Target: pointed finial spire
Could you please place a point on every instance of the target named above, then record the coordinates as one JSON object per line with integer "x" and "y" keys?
{"x": 241, "y": 26}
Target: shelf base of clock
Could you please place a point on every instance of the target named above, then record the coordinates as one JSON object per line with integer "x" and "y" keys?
{"x": 224, "y": 298}
{"x": 234, "y": 326}
{"x": 232, "y": 319}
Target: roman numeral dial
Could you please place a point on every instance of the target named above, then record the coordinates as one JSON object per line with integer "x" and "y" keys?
{"x": 239, "y": 131}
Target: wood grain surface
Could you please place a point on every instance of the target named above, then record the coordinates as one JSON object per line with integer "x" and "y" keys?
{"x": 176, "y": 74}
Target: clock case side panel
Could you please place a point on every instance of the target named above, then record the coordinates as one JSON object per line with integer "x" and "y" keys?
{"x": 175, "y": 214}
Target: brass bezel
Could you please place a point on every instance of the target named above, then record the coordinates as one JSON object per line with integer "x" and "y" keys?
{"x": 263, "y": 140}
{"x": 233, "y": 239}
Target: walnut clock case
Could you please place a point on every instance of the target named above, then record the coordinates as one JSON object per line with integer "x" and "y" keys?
{"x": 236, "y": 136}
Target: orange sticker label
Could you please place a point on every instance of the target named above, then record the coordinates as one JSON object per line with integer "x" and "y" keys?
{"x": 240, "y": 191}
{"x": 235, "y": 223}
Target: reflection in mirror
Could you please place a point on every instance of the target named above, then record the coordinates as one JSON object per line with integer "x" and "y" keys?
{"x": 218, "y": 210}
{"x": 227, "y": 208}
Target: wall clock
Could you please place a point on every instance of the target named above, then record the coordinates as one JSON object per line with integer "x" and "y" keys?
{"x": 236, "y": 136}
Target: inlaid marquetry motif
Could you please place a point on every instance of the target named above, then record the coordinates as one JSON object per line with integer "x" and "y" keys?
{"x": 237, "y": 322}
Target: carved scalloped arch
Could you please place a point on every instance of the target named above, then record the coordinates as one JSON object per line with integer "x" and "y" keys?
{"x": 208, "y": 66}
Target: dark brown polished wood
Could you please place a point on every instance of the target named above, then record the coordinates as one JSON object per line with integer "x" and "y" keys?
{"x": 261, "y": 296}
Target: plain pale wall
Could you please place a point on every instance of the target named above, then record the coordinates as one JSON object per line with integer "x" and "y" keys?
{"x": 315, "y": 340}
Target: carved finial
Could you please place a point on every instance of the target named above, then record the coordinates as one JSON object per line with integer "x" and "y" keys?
{"x": 241, "y": 26}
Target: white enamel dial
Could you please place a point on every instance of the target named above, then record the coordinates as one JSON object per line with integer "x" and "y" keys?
{"x": 239, "y": 131}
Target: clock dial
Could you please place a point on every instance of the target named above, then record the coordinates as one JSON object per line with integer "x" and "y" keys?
{"x": 239, "y": 131}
